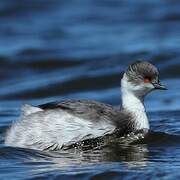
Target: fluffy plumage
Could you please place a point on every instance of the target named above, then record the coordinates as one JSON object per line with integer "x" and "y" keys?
{"x": 54, "y": 125}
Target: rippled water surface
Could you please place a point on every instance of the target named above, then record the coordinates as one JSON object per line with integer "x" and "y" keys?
{"x": 54, "y": 50}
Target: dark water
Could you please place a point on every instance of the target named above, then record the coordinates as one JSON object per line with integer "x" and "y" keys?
{"x": 52, "y": 49}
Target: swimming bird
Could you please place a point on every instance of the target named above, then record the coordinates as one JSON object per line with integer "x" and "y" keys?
{"x": 54, "y": 125}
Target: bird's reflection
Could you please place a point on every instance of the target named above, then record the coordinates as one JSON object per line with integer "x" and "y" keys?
{"x": 135, "y": 150}
{"x": 110, "y": 151}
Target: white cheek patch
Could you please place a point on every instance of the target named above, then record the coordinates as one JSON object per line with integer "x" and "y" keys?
{"x": 139, "y": 90}
{"x": 149, "y": 86}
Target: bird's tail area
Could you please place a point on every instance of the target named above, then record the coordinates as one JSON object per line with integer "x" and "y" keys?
{"x": 27, "y": 109}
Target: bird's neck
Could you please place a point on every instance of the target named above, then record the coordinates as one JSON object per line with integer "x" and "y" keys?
{"x": 134, "y": 105}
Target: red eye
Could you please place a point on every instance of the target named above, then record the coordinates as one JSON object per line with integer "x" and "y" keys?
{"x": 147, "y": 80}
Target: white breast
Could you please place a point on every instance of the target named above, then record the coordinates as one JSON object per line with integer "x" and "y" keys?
{"x": 134, "y": 104}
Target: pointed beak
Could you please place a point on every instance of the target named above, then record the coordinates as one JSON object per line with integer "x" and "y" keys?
{"x": 159, "y": 86}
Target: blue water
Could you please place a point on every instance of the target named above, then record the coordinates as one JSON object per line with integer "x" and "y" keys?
{"x": 54, "y": 49}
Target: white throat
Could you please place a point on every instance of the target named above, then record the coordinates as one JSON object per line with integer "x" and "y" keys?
{"x": 134, "y": 104}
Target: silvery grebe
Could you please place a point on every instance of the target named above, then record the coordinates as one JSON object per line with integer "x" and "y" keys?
{"x": 54, "y": 125}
